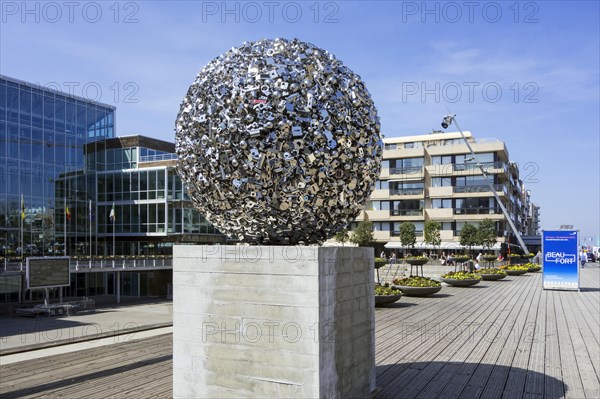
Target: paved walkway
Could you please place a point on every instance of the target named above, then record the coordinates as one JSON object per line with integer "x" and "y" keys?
{"x": 508, "y": 339}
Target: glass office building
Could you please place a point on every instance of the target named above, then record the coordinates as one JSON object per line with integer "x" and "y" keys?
{"x": 137, "y": 183}
{"x": 42, "y": 137}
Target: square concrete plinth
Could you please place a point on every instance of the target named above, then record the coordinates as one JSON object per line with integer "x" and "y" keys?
{"x": 273, "y": 321}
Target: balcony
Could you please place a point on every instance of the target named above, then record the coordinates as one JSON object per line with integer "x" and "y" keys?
{"x": 406, "y": 212}
{"x": 415, "y": 171}
{"x": 440, "y": 213}
{"x": 477, "y": 211}
{"x": 479, "y": 189}
{"x": 440, "y": 192}
{"x": 406, "y": 191}
{"x": 488, "y": 167}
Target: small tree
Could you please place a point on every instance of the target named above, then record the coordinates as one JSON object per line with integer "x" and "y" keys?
{"x": 468, "y": 236}
{"x": 486, "y": 233}
{"x": 432, "y": 233}
{"x": 408, "y": 237}
{"x": 363, "y": 235}
{"x": 342, "y": 236}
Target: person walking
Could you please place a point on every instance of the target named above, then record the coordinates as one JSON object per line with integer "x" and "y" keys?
{"x": 582, "y": 258}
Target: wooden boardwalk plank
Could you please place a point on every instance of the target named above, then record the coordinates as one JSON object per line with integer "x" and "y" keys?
{"x": 455, "y": 354}
{"x": 489, "y": 343}
{"x": 568, "y": 363}
{"x": 585, "y": 363}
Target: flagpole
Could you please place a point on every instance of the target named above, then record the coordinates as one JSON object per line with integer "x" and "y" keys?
{"x": 65, "y": 229}
{"x": 22, "y": 223}
{"x": 90, "y": 229}
{"x": 113, "y": 218}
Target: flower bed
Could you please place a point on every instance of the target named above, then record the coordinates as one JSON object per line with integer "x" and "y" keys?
{"x": 489, "y": 258}
{"x": 460, "y": 259}
{"x": 461, "y": 279}
{"x": 386, "y": 294}
{"x": 532, "y": 267}
{"x": 491, "y": 274}
{"x": 416, "y": 260}
{"x": 515, "y": 270}
{"x": 380, "y": 262}
{"x": 417, "y": 286}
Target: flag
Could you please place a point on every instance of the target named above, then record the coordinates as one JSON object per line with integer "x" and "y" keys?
{"x": 91, "y": 212}
{"x": 112, "y": 214}
{"x": 68, "y": 213}
{"x": 22, "y": 207}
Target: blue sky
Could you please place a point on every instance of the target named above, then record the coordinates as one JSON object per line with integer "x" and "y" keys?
{"x": 526, "y": 73}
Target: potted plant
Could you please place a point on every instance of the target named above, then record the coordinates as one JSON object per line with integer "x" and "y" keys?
{"x": 489, "y": 258}
{"x": 533, "y": 267}
{"x": 386, "y": 294}
{"x": 380, "y": 262}
{"x": 515, "y": 270}
{"x": 417, "y": 286}
{"x": 460, "y": 258}
{"x": 461, "y": 279}
{"x": 416, "y": 260}
{"x": 491, "y": 274}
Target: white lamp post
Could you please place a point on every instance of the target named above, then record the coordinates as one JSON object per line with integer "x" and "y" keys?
{"x": 448, "y": 119}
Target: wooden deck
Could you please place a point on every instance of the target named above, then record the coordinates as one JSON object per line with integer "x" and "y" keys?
{"x": 506, "y": 339}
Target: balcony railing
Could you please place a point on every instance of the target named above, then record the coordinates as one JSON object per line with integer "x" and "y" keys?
{"x": 411, "y": 170}
{"x": 487, "y": 166}
{"x": 477, "y": 211}
{"x": 406, "y": 212}
{"x": 479, "y": 189}
{"x": 406, "y": 191}
{"x": 159, "y": 157}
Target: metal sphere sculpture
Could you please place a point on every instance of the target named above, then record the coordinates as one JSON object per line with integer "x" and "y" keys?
{"x": 278, "y": 143}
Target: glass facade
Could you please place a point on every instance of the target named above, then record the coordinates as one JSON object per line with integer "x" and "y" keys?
{"x": 150, "y": 208}
{"x": 42, "y": 171}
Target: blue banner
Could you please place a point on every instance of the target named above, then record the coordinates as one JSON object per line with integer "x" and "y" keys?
{"x": 561, "y": 260}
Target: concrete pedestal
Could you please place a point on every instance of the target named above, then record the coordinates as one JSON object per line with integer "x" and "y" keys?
{"x": 262, "y": 321}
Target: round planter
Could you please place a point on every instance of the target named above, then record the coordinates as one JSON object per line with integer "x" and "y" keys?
{"x": 460, "y": 259}
{"x": 460, "y": 283}
{"x": 492, "y": 277}
{"x": 515, "y": 272}
{"x": 489, "y": 258}
{"x": 386, "y": 299}
{"x": 534, "y": 269}
{"x": 380, "y": 264}
{"x": 418, "y": 291}
{"x": 416, "y": 262}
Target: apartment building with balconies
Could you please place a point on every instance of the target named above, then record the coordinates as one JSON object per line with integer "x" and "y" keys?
{"x": 434, "y": 177}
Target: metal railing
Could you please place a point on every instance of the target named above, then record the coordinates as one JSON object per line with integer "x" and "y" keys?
{"x": 159, "y": 157}
{"x": 80, "y": 265}
{"x": 409, "y": 170}
{"x": 477, "y": 211}
{"x": 488, "y": 166}
{"x": 406, "y": 212}
{"x": 406, "y": 191}
{"x": 479, "y": 189}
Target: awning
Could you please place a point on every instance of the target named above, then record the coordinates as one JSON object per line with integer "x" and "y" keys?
{"x": 443, "y": 246}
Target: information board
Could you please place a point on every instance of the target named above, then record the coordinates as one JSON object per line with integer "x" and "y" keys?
{"x": 48, "y": 272}
{"x": 561, "y": 260}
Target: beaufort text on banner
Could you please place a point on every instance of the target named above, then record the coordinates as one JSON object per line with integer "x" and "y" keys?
{"x": 561, "y": 263}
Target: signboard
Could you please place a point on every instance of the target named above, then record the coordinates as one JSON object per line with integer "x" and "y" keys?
{"x": 561, "y": 260}
{"x": 48, "y": 272}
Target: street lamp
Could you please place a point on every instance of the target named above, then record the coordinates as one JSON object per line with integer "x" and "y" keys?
{"x": 446, "y": 122}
